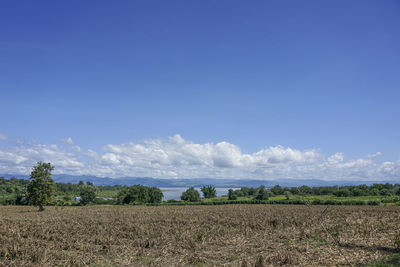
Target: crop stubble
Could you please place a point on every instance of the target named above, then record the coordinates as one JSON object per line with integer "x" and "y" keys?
{"x": 197, "y": 235}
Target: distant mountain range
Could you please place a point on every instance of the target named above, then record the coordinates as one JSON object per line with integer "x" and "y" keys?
{"x": 197, "y": 182}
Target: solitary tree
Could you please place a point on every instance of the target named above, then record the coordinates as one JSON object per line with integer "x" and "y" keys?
{"x": 209, "y": 191}
{"x": 41, "y": 188}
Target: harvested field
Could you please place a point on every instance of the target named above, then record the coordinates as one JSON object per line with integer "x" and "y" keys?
{"x": 223, "y": 235}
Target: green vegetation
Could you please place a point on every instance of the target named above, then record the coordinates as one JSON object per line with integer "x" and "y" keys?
{"x": 14, "y": 192}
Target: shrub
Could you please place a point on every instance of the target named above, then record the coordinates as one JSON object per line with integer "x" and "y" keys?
{"x": 330, "y": 202}
{"x": 374, "y": 202}
{"x": 317, "y": 201}
{"x": 103, "y": 201}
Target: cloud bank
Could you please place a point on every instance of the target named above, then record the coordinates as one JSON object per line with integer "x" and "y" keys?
{"x": 175, "y": 157}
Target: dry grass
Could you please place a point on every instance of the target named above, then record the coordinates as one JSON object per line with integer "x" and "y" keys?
{"x": 223, "y": 235}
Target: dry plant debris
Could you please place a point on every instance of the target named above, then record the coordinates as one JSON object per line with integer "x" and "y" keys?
{"x": 225, "y": 235}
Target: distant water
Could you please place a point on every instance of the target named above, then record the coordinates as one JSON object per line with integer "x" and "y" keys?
{"x": 176, "y": 192}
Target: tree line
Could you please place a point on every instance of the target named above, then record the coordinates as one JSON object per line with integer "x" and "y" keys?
{"x": 339, "y": 191}
{"x": 41, "y": 189}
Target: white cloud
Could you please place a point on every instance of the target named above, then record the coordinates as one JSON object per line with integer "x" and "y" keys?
{"x": 67, "y": 141}
{"x": 374, "y": 155}
{"x": 336, "y": 158}
{"x": 177, "y": 157}
{"x": 3, "y": 137}
{"x": 20, "y": 159}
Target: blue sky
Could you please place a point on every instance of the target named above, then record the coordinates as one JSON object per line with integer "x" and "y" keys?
{"x": 281, "y": 77}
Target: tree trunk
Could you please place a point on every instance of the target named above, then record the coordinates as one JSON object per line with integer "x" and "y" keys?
{"x": 41, "y": 208}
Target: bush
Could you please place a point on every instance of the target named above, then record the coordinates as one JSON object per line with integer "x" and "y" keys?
{"x": 103, "y": 201}
{"x": 330, "y": 202}
{"x": 374, "y": 202}
{"x": 317, "y": 201}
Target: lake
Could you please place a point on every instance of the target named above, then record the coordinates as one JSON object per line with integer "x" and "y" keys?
{"x": 176, "y": 192}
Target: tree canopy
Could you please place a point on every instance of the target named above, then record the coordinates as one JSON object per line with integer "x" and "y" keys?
{"x": 209, "y": 191}
{"x": 139, "y": 194}
{"x": 87, "y": 194}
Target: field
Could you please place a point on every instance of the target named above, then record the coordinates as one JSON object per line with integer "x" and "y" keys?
{"x": 225, "y": 235}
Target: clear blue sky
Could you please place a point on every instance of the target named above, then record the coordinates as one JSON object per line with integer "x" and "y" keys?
{"x": 302, "y": 74}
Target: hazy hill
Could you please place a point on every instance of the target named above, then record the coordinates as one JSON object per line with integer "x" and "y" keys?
{"x": 196, "y": 182}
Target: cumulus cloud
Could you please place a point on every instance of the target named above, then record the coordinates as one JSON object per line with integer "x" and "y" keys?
{"x": 20, "y": 159}
{"x": 67, "y": 141}
{"x": 176, "y": 157}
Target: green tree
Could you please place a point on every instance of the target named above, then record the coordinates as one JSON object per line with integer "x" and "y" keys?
{"x": 41, "y": 188}
{"x": 343, "y": 192}
{"x": 87, "y": 194}
{"x": 155, "y": 195}
{"x": 262, "y": 194}
{"x": 123, "y": 195}
{"x": 209, "y": 191}
{"x": 231, "y": 195}
{"x": 139, "y": 193}
{"x": 191, "y": 195}
{"x": 277, "y": 190}
{"x": 305, "y": 190}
